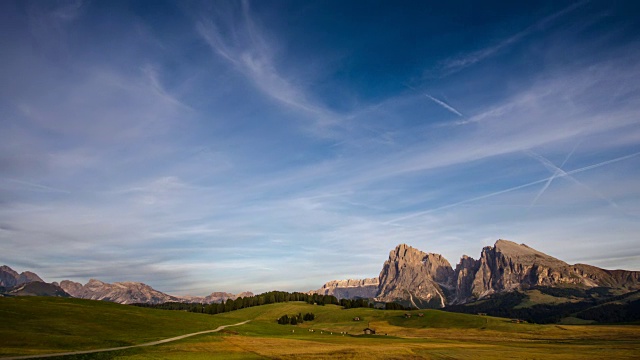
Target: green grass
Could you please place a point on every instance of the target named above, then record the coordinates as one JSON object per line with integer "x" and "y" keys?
{"x": 41, "y": 325}
{"x": 49, "y": 324}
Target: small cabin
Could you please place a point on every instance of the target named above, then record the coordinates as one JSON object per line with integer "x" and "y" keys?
{"x": 518, "y": 321}
{"x": 482, "y": 314}
{"x": 356, "y": 318}
{"x": 407, "y": 315}
{"x": 369, "y": 331}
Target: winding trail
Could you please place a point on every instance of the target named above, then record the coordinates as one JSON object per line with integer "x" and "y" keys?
{"x": 124, "y": 347}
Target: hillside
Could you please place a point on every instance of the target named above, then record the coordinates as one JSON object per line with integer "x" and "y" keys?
{"x": 33, "y": 324}
{"x": 43, "y": 325}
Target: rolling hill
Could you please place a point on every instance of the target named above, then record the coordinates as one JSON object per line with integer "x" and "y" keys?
{"x": 33, "y": 325}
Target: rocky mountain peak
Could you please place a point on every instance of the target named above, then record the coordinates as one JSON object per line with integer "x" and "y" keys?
{"x": 524, "y": 253}
{"x": 6, "y": 269}
{"x": 412, "y": 275}
{"x": 27, "y": 277}
{"x": 11, "y": 278}
{"x": 420, "y": 279}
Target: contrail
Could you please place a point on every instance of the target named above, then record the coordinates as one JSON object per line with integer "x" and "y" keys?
{"x": 37, "y": 186}
{"x": 563, "y": 174}
{"x": 558, "y": 171}
{"x": 444, "y": 105}
{"x": 602, "y": 163}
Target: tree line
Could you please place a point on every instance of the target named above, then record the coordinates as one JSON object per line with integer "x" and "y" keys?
{"x": 295, "y": 319}
{"x": 270, "y": 297}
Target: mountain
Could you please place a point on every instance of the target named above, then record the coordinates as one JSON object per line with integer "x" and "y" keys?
{"x": 29, "y": 284}
{"x": 412, "y": 277}
{"x": 350, "y": 289}
{"x": 26, "y": 284}
{"x": 425, "y": 280}
{"x": 508, "y": 266}
{"x": 10, "y": 278}
{"x": 215, "y": 297}
{"x": 119, "y": 292}
{"x": 136, "y": 292}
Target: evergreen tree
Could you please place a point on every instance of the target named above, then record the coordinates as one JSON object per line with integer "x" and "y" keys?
{"x": 228, "y": 306}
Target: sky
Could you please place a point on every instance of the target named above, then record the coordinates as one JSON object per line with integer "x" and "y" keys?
{"x": 277, "y": 145}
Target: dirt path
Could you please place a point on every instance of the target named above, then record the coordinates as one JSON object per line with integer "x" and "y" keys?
{"x": 124, "y": 347}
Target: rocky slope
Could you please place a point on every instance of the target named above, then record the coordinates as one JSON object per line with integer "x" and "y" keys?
{"x": 350, "y": 289}
{"x": 411, "y": 275}
{"x": 424, "y": 279}
{"x": 508, "y": 266}
{"x": 415, "y": 278}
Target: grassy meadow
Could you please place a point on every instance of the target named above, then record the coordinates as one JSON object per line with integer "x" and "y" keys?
{"x": 31, "y": 325}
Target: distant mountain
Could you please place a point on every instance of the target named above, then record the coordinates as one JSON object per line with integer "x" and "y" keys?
{"x": 215, "y": 297}
{"x": 137, "y": 293}
{"x": 119, "y": 292}
{"x": 425, "y": 280}
{"x": 349, "y": 289}
{"x": 10, "y": 278}
{"x": 26, "y": 284}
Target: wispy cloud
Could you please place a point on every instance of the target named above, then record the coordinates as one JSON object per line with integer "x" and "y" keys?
{"x": 189, "y": 156}
{"x": 234, "y": 35}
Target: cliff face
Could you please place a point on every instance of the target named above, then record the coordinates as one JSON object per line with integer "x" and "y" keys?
{"x": 508, "y": 266}
{"x": 464, "y": 277}
{"x": 350, "y": 289}
{"x": 420, "y": 279}
{"x": 416, "y": 277}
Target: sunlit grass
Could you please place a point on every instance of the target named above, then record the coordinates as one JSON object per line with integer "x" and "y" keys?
{"x": 63, "y": 325}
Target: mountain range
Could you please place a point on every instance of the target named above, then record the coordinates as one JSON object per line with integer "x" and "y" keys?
{"x": 409, "y": 277}
{"x": 30, "y": 284}
{"x": 427, "y": 280}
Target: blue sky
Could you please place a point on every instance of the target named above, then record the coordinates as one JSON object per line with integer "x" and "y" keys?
{"x": 231, "y": 146}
